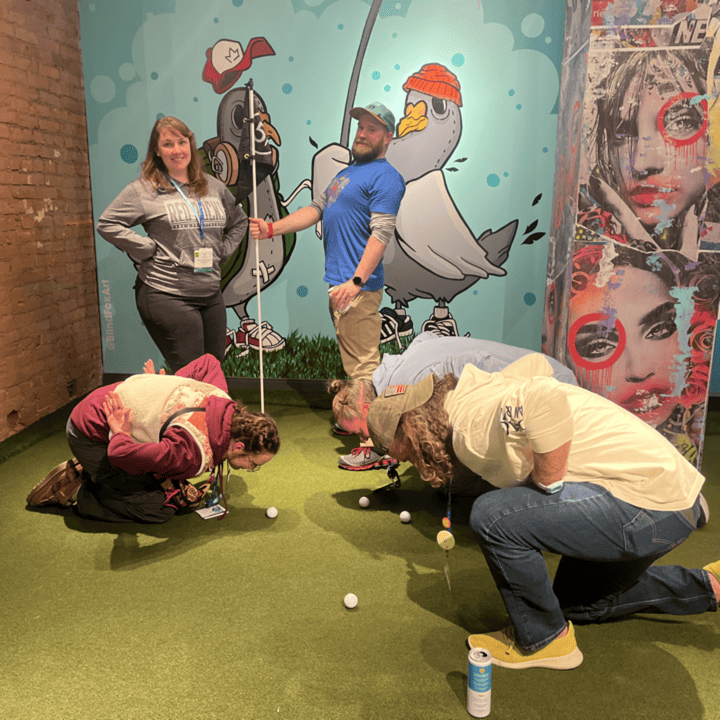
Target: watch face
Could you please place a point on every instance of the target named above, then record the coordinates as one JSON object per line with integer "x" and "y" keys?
{"x": 357, "y": 280}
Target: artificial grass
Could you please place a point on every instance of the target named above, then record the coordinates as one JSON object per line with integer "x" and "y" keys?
{"x": 243, "y": 617}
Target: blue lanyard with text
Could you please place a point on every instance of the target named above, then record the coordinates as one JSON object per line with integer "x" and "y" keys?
{"x": 201, "y": 216}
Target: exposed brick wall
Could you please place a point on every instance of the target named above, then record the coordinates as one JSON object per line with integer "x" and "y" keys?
{"x": 49, "y": 318}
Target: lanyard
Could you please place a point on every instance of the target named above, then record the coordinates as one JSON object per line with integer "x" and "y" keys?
{"x": 201, "y": 216}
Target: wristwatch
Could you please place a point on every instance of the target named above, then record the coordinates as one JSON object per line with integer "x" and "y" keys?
{"x": 357, "y": 280}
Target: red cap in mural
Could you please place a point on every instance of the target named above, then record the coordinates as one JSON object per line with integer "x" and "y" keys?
{"x": 226, "y": 61}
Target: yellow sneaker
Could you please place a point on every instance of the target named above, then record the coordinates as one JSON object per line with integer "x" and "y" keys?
{"x": 561, "y": 654}
{"x": 714, "y": 568}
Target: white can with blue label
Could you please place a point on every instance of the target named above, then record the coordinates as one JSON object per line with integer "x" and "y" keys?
{"x": 479, "y": 682}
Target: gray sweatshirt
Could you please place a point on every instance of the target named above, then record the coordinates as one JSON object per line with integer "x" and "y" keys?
{"x": 165, "y": 258}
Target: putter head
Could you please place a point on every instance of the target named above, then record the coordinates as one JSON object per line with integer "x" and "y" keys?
{"x": 393, "y": 476}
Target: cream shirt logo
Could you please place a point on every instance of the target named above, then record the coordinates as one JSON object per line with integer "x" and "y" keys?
{"x": 511, "y": 418}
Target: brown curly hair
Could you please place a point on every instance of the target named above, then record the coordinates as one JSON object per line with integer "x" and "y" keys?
{"x": 153, "y": 168}
{"x": 349, "y": 398}
{"x": 255, "y": 430}
{"x": 428, "y": 430}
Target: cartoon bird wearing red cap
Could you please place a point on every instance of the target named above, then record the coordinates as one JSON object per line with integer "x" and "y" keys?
{"x": 226, "y": 61}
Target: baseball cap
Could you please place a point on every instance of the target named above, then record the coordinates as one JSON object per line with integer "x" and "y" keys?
{"x": 378, "y": 111}
{"x": 386, "y": 409}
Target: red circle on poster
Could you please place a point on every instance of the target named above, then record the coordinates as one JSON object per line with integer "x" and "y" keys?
{"x": 678, "y": 142}
{"x": 581, "y": 361}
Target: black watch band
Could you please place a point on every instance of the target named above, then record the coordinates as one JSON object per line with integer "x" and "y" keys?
{"x": 357, "y": 280}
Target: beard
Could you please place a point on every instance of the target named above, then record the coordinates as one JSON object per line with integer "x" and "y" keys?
{"x": 364, "y": 153}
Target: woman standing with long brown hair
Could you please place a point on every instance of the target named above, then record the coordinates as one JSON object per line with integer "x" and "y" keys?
{"x": 192, "y": 225}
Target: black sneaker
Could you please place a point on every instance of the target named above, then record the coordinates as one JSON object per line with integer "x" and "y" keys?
{"x": 705, "y": 512}
{"x": 394, "y": 325}
{"x": 444, "y": 327}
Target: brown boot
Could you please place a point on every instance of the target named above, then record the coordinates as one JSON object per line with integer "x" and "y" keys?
{"x": 59, "y": 487}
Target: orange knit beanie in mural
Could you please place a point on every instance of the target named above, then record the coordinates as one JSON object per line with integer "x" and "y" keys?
{"x": 435, "y": 80}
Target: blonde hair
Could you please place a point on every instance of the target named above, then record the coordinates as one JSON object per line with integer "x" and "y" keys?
{"x": 153, "y": 168}
{"x": 428, "y": 430}
{"x": 350, "y": 395}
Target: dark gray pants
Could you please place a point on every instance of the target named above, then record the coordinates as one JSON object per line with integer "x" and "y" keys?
{"x": 183, "y": 328}
{"x": 109, "y": 494}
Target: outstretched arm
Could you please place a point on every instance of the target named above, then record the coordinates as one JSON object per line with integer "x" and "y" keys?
{"x": 299, "y": 220}
{"x": 206, "y": 369}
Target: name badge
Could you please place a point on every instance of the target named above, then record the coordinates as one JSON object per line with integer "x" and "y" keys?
{"x": 213, "y": 511}
{"x": 204, "y": 260}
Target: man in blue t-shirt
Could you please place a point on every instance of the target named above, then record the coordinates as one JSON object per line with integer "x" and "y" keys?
{"x": 358, "y": 210}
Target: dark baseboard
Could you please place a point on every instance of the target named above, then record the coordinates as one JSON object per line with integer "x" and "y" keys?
{"x": 240, "y": 383}
{"x": 276, "y": 391}
{"x": 39, "y": 430}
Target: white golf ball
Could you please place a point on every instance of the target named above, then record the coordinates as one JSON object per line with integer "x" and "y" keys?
{"x": 350, "y": 601}
{"x": 405, "y": 516}
{"x": 271, "y": 512}
{"x": 364, "y": 502}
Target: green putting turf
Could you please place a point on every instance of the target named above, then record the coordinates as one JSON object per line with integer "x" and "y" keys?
{"x": 244, "y": 618}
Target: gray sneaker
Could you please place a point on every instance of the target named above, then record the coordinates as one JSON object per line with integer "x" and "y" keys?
{"x": 364, "y": 458}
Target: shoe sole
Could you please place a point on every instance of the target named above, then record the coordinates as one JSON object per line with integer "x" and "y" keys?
{"x": 703, "y": 519}
{"x": 564, "y": 662}
{"x": 377, "y": 465}
{"x": 341, "y": 433}
{"x": 58, "y": 487}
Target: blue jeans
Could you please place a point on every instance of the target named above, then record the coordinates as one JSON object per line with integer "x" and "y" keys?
{"x": 607, "y": 548}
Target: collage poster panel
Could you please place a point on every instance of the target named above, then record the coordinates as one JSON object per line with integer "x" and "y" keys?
{"x": 641, "y": 287}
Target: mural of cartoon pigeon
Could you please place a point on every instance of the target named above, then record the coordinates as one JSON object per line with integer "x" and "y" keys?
{"x": 239, "y": 278}
{"x": 436, "y": 254}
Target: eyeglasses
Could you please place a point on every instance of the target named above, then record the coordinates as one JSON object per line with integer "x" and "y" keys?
{"x": 254, "y": 467}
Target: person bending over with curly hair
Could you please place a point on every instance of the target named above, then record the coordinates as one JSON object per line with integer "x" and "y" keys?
{"x": 137, "y": 444}
{"x": 426, "y": 354}
{"x": 578, "y": 476}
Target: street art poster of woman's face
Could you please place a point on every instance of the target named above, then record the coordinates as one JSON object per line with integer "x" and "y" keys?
{"x": 651, "y": 140}
{"x": 640, "y": 334}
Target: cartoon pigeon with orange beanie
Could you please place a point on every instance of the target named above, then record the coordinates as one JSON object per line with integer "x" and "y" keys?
{"x": 436, "y": 254}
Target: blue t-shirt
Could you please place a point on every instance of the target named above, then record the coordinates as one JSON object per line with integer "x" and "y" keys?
{"x": 351, "y": 197}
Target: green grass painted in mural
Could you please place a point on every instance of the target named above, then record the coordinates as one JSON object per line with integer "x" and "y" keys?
{"x": 302, "y": 358}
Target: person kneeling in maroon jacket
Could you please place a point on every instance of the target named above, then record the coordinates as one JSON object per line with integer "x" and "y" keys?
{"x": 137, "y": 443}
